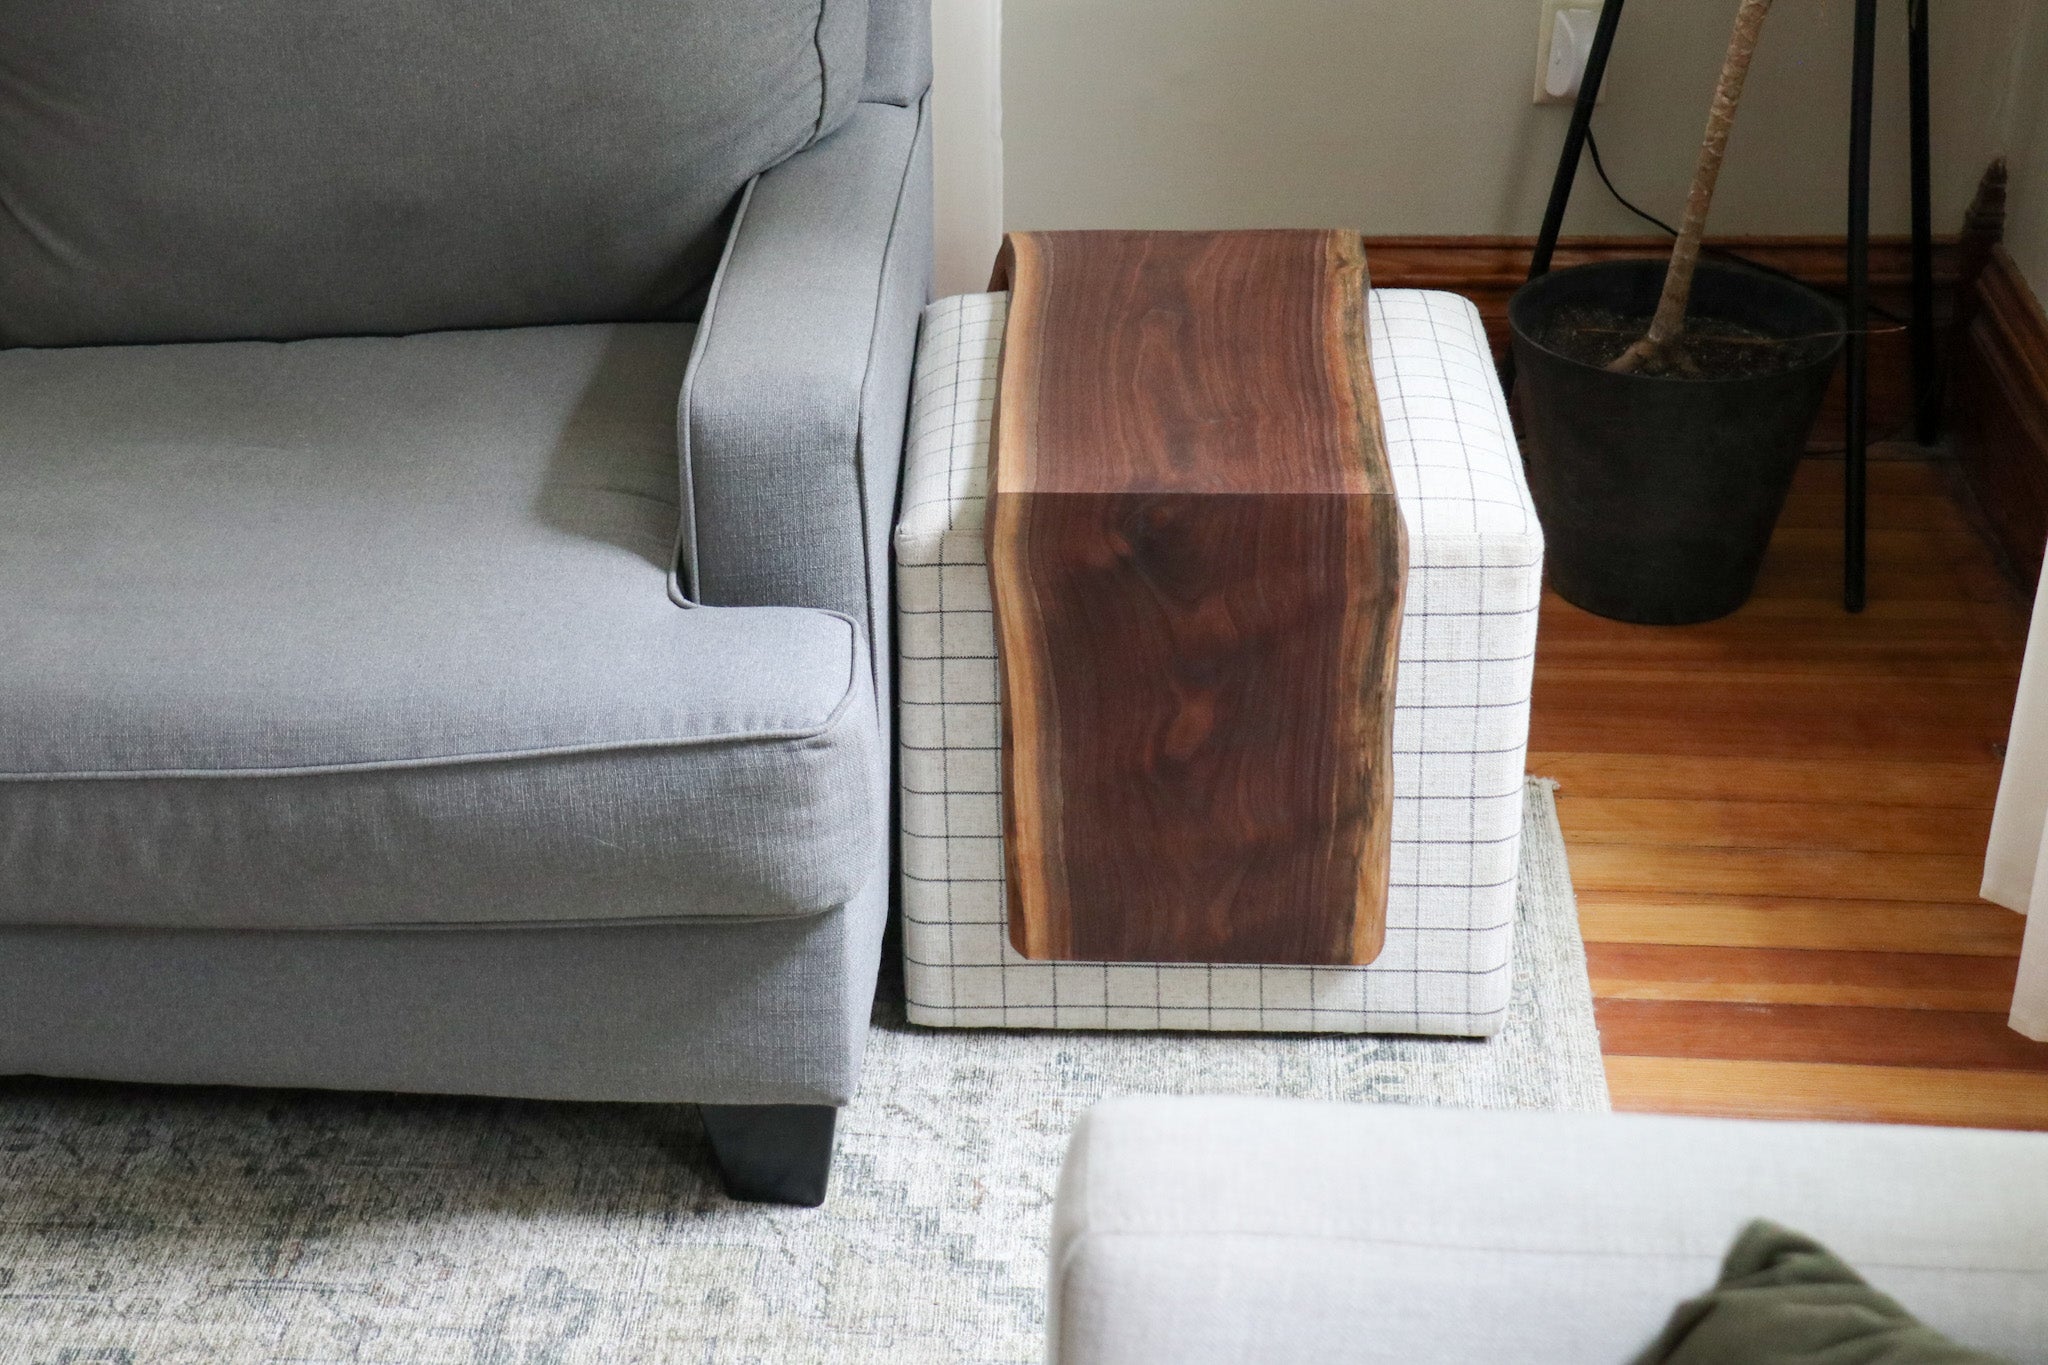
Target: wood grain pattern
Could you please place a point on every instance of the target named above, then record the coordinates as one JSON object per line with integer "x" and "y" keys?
{"x": 1740, "y": 921}
{"x": 2001, "y": 412}
{"x": 1854, "y": 1035}
{"x": 1821, "y": 1090}
{"x": 1197, "y": 562}
{"x": 1840, "y": 826}
{"x": 1906, "y": 565}
{"x": 1816, "y": 874}
{"x": 1776, "y": 823}
{"x": 1916, "y": 786}
{"x": 1788, "y": 976}
{"x": 1735, "y": 715}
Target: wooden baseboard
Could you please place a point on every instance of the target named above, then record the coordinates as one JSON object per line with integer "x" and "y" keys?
{"x": 2001, "y": 413}
{"x": 1488, "y": 270}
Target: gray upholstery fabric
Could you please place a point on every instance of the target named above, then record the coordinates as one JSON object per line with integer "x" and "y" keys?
{"x": 802, "y": 376}
{"x": 376, "y": 630}
{"x": 899, "y": 51}
{"x": 244, "y": 168}
{"x": 736, "y": 1013}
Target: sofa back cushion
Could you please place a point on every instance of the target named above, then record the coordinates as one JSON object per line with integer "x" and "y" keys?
{"x": 274, "y": 169}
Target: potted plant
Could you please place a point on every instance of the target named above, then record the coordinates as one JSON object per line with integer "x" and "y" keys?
{"x": 1666, "y": 406}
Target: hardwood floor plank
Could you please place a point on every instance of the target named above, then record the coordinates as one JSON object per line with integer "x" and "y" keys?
{"x": 1819, "y": 473}
{"x": 1904, "y": 566}
{"x": 1812, "y": 1090}
{"x": 1903, "y": 509}
{"x": 1774, "y": 824}
{"x": 1899, "y": 663}
{"x": 1760, "y": 620}
{"x": 1814, "y": 875}
{"x": 1704, "y": 714}
{"x": 1842, "y": 1035}
{"x": 1651, "y": 776}
{"x": 1802, "y": 976}
{"x": 1975, "y": 930}
{"x": 1942, "y": 639}
{"x": 1914, "y": 473}
{"x": 1969, "y": 785}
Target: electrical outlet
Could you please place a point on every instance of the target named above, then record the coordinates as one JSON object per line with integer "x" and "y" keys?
{"x": 1566, "y": 21}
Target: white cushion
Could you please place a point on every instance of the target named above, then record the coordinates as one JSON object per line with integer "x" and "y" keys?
{"x": 1285, "y": 1232}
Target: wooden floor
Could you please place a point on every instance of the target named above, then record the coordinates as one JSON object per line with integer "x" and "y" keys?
{"x": 1776, "y": 825}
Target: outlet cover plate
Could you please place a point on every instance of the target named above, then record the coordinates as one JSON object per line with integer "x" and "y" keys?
{"x": 1544, "y": 29}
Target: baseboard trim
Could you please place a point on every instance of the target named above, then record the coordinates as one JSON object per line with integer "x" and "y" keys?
{"x": 1502, "y": 263}
{"x": 2001, "y": 413}
{"x": 1488, "y": 270}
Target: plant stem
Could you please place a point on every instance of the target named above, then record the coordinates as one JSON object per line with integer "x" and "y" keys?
{"x": 1657, "y": 350}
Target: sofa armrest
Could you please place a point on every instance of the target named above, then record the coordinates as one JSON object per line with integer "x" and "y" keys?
{"x": 792, "y": 414}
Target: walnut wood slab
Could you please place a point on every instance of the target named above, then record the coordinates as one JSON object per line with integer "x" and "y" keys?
{"x": 1197, "y": 564}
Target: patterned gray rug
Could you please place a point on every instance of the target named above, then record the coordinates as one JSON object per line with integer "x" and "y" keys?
{"x": 144, "y": 1226}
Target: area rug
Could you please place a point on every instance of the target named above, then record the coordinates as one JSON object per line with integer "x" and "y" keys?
{"x": 156, "y": 1226}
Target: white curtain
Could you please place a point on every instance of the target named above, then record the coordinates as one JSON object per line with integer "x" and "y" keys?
{"x": 2016, "y": 865}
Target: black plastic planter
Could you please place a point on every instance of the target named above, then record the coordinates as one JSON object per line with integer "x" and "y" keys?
{"x": 1658, "y": 495}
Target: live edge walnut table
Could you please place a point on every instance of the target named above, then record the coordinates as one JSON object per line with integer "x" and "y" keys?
{"x": 1196, "y": 561}
{"x": 1229, "y": 484}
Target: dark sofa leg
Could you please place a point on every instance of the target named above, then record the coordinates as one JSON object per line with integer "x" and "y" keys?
{"x": 773, "y": 1153}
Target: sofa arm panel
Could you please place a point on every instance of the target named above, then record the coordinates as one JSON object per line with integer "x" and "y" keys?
{"x": 793, "y": 410}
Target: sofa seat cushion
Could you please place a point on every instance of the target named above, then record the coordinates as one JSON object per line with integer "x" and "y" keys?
{"x": 377, "y": 631}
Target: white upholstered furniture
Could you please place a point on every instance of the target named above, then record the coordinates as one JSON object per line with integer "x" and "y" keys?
{"x": 1288, "y": 1232}
{"x": 1460, "y": 729}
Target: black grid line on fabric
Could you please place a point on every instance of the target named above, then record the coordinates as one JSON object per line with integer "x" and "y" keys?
{"x": 1523, "y": 564}
{"x": 1461, "y": 930}
{"x": 1475, "y": 842}
{"x": 1393, "y": 884}
{"x": 1408, "y": 708}
{"x": 909, "y": 790}
{"x": 1399, "y": 751}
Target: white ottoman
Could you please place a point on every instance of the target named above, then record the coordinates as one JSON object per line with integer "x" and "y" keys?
{"x": 1238, "y": 1231}
{"x": 1461, "y": 716}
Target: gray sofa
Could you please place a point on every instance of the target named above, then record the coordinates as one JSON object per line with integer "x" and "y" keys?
{"x": 1277, "y": 1232}
{"x": 447, "y": 451}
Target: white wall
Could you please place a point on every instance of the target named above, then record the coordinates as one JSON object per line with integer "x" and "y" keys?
{"x": 1415, "y": 117}
{"x": 967, "y": 141}
{"x": 2026, "y": 135}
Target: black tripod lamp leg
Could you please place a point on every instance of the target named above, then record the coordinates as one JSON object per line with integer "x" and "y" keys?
{"x": 1575, "y": 138}
{"x": 1568, "y": 158}
{"x": 1858, "y": 310}
{"x": 1927, "y": 397}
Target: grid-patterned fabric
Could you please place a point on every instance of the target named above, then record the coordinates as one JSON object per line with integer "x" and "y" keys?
{"x": 1461, "y": 715}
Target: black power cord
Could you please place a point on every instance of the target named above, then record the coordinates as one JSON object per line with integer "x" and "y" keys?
{"x": 1719, "y": 253}
{"x": 1737, "y": 258}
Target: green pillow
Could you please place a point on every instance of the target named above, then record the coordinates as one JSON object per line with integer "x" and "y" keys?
{"x": 1784, "y": 1299}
